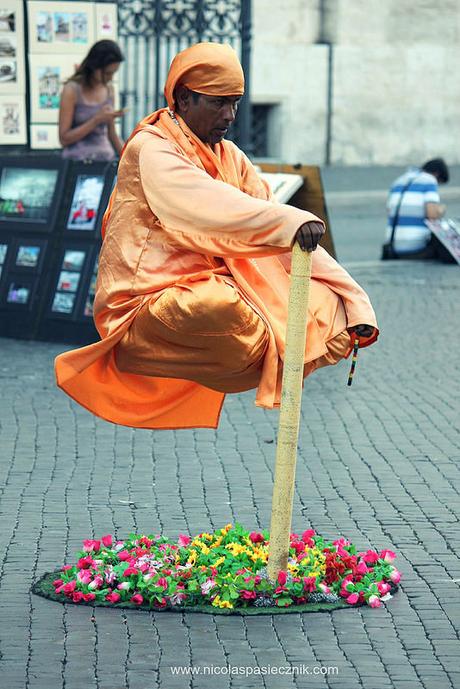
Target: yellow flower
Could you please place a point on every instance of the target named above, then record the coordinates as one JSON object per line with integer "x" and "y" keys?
{"x": 217, "y": 542}
{"x": 192, "y": 557}
{"x": 218, "y": 603}
{"x": 204, "y": 549}
{"x": 207, "y": 536}
{"x": 218, "y": 562}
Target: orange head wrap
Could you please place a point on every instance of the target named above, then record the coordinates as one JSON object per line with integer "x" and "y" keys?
{"x": 209, "y": 68}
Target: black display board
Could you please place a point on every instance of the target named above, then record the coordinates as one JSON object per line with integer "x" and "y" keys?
{"x": 50, "y": 220}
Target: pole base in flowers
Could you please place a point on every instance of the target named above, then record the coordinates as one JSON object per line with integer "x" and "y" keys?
{"x": 222, "y": 572}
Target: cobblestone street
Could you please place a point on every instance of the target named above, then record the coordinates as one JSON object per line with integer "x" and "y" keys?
{"x": 378, "y": 463}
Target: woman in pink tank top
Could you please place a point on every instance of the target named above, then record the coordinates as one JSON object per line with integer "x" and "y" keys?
{"x": 86, "y": 115}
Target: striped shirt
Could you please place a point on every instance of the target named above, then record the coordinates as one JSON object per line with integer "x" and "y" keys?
{"x": 411, "y": 233}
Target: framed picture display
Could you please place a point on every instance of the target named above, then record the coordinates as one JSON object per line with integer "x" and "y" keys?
{"x": 86, "y": 200}
{"x": 30, "y": 192}
{"x": 18, "y": 292}
{"x": 72, "y": 270}
{"x": 28, "y": 255}
{"x": 106, "y": 25}
{"x": 13, "y": 128}
{"x": 60, "y": 27}
{"x": 44, "y": 136}
{"x": 12, "y": 71}
{"x": 47, "y": 76}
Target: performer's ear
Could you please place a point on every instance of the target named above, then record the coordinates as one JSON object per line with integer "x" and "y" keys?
{"x": 182, "y": 98}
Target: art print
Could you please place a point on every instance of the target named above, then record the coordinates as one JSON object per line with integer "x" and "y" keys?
{"x": 79, "y": 27}
{"x": 8, "y": 71}
{"x": 28, "y": 256}
{"x": 85, "y": 202}
{"x": 44, "y": 27}
{"x": 10, "y": 122}
{"x": 49, "y": 86}
{"x": 68, "y": 281}
{"x": 62, "y": 27}
{"x": 26, "y": 194}
{"x": 73, "y": 260}
{"x": 63, "y": 303}
{"x": 18, "y": 293}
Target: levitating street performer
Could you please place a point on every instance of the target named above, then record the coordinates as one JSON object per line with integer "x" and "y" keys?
{"x": 193, "y": 282}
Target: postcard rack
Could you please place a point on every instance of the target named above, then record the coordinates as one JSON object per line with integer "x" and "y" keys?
{"x": 50, "y": 217}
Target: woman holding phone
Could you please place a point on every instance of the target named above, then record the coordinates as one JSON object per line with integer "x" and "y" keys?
{"x": 86, "y": 115}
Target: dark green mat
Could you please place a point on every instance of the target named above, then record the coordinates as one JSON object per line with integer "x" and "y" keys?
{"x": 44, "y": 587}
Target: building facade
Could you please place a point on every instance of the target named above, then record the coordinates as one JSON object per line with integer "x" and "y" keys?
{"x": 352, "y": 83}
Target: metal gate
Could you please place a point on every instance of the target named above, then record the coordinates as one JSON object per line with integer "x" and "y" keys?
{"x": 151, "y": 32}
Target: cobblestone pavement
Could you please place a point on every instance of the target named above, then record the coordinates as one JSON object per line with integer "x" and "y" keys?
{"x": 379, "y": 464}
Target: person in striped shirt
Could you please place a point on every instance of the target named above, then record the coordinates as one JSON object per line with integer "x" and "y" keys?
{"x": 413, "y": 199}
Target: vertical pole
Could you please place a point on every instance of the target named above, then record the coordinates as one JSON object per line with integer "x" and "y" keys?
{"x": 289, "y": 419}
{"x": 244, "y": 113}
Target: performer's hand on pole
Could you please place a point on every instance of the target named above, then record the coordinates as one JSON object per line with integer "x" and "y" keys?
{"x": 309, "y": 234}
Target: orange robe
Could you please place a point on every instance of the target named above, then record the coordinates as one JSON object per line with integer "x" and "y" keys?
{"x": 180, "y": 211}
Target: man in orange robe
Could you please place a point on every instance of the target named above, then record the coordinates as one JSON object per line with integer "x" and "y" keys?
{"x": 193, "y": 281}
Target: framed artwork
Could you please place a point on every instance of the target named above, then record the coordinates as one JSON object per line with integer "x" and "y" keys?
{"x": 44, "y": 136}
{"x": 47, "y": 76}
{"x": 73, "y": 259}
{"x": 19, "y": 292}
{"x": 60, "y": 27}
{"x": 30, "y": 192}
{"x": 13, "y": 128}
{"x": 12, "y": 72}
{"x": 28, "y": 255}
{"x": 106, "y": 21}
{"x": 63, "y": 302}
{"x": 85, "y": 202}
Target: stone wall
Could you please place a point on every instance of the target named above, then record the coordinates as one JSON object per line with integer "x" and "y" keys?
{"x": 395, "y": 91}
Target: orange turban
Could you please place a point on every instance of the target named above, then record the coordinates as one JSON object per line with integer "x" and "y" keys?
{"x": 209, "y": 68}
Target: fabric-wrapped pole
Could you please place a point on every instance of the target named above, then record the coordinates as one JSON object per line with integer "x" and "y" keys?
{"x": 289, "y": 417}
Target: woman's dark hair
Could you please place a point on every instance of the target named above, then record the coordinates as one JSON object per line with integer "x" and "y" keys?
{"x": 438, "y": 168}
{"x": 100, "y": 55}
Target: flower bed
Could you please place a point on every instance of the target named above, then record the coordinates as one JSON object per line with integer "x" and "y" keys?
{"x": 225, "y": 570}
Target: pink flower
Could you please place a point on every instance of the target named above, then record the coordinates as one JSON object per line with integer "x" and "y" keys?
{"x": 257, "y": 579}
{"x": 395, "y": 576}
{"x": 147, "y": 542}
{"x": 207, "y": 585}
{"x": 348, "y": 585}
{"x": 130, "y": 570}
{"x": 85, "y": 562}
{"x": 144, "y": 567}
{"x": 57, "y": 582}
{"x": 309, "y": 584}
{"x": 248, "y": 595}
{"x": 70, "y": 587}
{"x": 282, "y": 577}
{"x": 374, "y": 601}
{"x": 280, "y": 589}
{"x": 96, "y": 583}
{"x": 110, "y": 576}
{"x": 308, "y": 534}
{"x": 124, "y": 586}
{"x": 184, "y": 540}
{"x": 362, "y": 567}
{"x": 113, "y": 597}
{"x": 256, "y": 537}
{"x": 324, "y": 588}
{"x": 387, "y": 555}
{"x": 85, "y": 576}
{"x": 90, "y": 545}
{"x": 383, "y": 587}
{"x": 107, "y": 541}
{"x": 64, "y": 568}
{"x": 123, "y": 555}
{"x": 137, "y": 599}
{"x": 162, "y": 582}
{"x": 149, "y": 576}
{"x": 77, "y": 596}
{"x": 177, "y": 598}
{"x": 89, "y": 597}
{"x": 370, "y": 557}
{"x": 352, "y": 598}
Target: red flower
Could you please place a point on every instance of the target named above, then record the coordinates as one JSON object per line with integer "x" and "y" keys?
{"x": 85, "y": 562}
{"x": 248, "y": 595}
{"x": 256, "y": 537}
{"x": 282, "y": 577}
{"x": 90, "y": 545}
{"x": 162, "y": 582}
{"x": 299, "y": 546}
{"x": 70, "y": 587}
{"x": 113, "y": 597}
{"x": 137, "y": 599}
{"x": 146, "y": 541}
{"x": 130, "y": 570}
{"x": 89, "y": 597}
{"x": 107, "y": 541}
{"x": 57, "y": 582}
{"x": 77, "y": 596}
{"x": 309, "y": 584}
{"x": 123, "y": 555}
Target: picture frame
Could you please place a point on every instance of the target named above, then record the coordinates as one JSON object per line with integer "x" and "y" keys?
{"x": 90, "y": 185}
{"x": 28, "y": 255}
{"x": 60, "y": 28}
{"x": 18, "y": 292}
{"x": 30, "y": 192}
{"x": 44, "y": 137}
{"x": 106, "y": 21}
{"x": 13, "y": 129}
{"x": 12, "y": 65}
{"x": 48, "y": 74}
{"x": 69, "y": 282}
